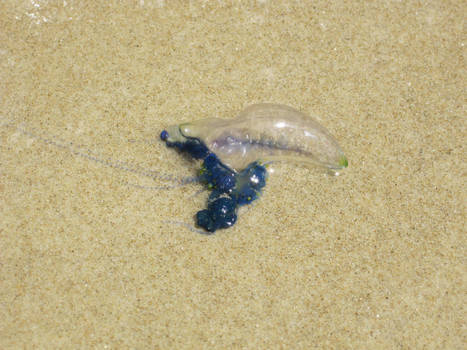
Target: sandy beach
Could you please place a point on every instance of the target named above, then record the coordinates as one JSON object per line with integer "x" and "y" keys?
{"x": 98, "y": 247}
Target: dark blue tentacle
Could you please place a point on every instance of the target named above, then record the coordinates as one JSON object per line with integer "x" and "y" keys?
{"x": 230, "y": 189}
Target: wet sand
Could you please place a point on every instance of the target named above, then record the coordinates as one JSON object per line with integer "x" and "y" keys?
{"x": 96, "y": 242}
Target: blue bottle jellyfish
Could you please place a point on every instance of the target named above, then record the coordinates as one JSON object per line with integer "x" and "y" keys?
{"x": 235, "y": 153}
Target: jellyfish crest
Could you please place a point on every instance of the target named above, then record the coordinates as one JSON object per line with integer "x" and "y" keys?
{"x": 267, "y": 133}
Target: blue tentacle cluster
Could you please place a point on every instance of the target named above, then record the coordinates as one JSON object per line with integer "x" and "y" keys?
{"x": 230, "y": 189}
